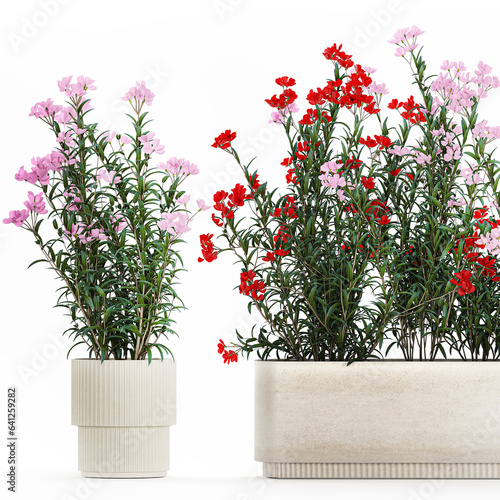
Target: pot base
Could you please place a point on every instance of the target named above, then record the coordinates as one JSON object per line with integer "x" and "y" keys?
{"x": 124, "y": 475}
{"x": 304, "y": 470}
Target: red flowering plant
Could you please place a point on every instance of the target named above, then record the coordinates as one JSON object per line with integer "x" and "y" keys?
{"x": 441, "y": 185}
{"x": 308, "y": 255}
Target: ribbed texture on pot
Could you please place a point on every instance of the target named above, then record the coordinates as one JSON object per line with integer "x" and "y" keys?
{"x": 381, "y": 471}
{"x": 123, "y": 393}
{"x": 123, "y": 451}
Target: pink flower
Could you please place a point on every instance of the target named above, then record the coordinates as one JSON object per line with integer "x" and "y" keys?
{"x": 405, "y": 34}
{"x": 183, "y": 199}
{"x": 64, "y": 85}
{"x": 83, "y": 83}
{"x": 66, "y": 139}
{"x": 202, "y": 205}
{"x": 378, "y": 88}
{"x": 139, "y": 93}
{"x": 174, "y": 223}
{"x": 45, "y": 109}
{"x": 151, "y": 145}
{"x": 109, "y": 136}
{"x": 78, "y": 131}
{"x": 124, "y": 139}
{"x": 180, "y": 225}
{"x": 35, "y": 203}
{"x": 109, "y": 177}
{"x": 179, "y": 166}
{"x": 17, "y": 217}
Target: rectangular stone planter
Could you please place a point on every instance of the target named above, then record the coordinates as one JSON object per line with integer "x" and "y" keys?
{"x": 378, "y": 419}
{"x": 123, "y": 410}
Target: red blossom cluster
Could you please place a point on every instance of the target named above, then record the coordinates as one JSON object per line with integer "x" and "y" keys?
{"x": 379, "y": 211}
{"x": 470, "y": 245}
{"x": 236, "y": 198}
{"x": 379, "y": 140}
{"x": 207, "y": 248}
{"x": 336, "y": 54}
{"x": 412, "y": 110}
{"x": 251, "y": 287}
{"x": 227, "y": 356}
{"x": 287, "y": 97}
{"x": 223, "y": 141}
{"x": 464, "y": 284}
{"x": 282, "y": 237}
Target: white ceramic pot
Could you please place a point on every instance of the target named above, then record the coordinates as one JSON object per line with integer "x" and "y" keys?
{"x": 378, "y": 419}
{"x": 123, "y": 410}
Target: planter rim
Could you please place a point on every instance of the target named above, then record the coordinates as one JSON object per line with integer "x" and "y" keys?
{"x": 396, "y": 360}
{"x": 128, "y": 360}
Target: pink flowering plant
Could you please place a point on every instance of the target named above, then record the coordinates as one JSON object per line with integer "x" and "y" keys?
{"x": 388, "y": 232}
{"x": 108, "y": 218}
{"x": 441, "y": 185}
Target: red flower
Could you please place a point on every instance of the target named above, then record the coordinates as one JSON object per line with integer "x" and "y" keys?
{"x": 290, "y": 176}
{"x": 248, "y": 286}
{"x": 282, "y": 237}
{"x": 393, "y": 104}
{"x": 269, "y": 257}
{"x": 229, "y": 356}
{"x": 207, "y": 248}
{"x": 289, "y": 208}
{"x": 368, "y": 182}
{"x": 220, "y": 346}
{"x": 384, "y": 142}
{"x": 369, "y": 142}
{"x": 286, "y": 98}
{"x": 316, "y": 98}
{"x": 336, "y": 54}
{"x": 287, "y": 162}
{"x": 284, "y": 81}
{"x": 223, "y": 141}
{"x": 395, "y": 171}
{"x": 384, "y": 220}
{"x": 217, "y": 221}
{"x": 352, "y": 163}
{"x": 410, "y": 176}
{"x": 277, "y": 212}
{"x": 464, "y": 285}
{"x": 371, "y": 109}
{"x": 480, "y": 213}
{"x": 237, "y": 196}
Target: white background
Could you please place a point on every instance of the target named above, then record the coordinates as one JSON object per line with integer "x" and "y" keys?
{"x": 211, "y": 64}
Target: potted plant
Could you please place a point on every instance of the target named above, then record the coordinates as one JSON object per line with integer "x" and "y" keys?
{"x": 109, "y": 220}
{"x": 379, "y": 244}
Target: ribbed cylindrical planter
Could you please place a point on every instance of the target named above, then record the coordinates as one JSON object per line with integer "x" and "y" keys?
{"x": 378, "y": 419}
{"x": 123, "y": 410}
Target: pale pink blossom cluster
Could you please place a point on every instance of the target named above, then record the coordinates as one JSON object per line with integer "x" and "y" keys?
{"x": 331, "y": 178}
{"x": 85, "y": 233}
{"x": 175, "y": 223}
{"x": 470, "y": 173}
{"x": 78, "y": 89}
{"x": 405, "y": 39}
{"x": 454, "y": 87}
{"x": 140, "y": 93}
{"x": 41, "y": 168}
{"x": 108, "y": 177}
{"x": 17, "y": 217}
{"x": 151, "y": 145}
{"x": 456, "y": 202}
{"x": 72, "y": 199}
{"x": 179, "y": 166}
{"x": 280, "y": 115}
{"x": 35, "y": 203}
{"x": 483, "y": 131}
{"x": 491, "y": 241}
